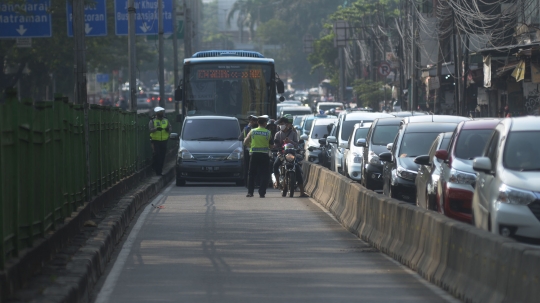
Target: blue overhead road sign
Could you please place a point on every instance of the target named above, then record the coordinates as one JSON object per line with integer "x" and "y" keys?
{"x": 95, "y": 18}
{"x": 25, "y": 20}
{"x": 146, "y": 17}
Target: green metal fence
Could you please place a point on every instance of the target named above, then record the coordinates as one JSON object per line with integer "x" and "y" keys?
{"x": 43, "y": 163}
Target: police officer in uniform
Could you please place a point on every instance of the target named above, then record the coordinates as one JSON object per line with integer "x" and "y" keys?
{"x": 252, "y": 123}
{"x": 160, "y": 128}
{"x": 259, "y": 139}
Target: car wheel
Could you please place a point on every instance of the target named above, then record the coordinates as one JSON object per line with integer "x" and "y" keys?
{"x": 180, "y": 182}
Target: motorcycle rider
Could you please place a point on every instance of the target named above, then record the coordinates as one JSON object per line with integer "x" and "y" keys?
{"x": 287, "y": 135}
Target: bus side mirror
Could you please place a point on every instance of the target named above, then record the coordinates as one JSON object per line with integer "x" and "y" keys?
{"x": 280, "y": 86}
{"x": 178, "y": 94}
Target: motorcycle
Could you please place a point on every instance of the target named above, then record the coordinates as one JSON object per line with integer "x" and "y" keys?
{"x": 290, "y": 158}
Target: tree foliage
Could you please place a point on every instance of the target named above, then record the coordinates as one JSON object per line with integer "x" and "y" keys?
{"x": 368, "y": 92}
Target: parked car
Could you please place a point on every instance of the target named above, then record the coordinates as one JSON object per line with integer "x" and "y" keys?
{"x": 307, "y": 121}
{"x": 338, "y": 138}
{"x": 381, "y": 132}
{"x": 399, "y": 170}
{"x": 318, "y": 131}
{"x": 209, "y": 150}
{"x": 279, "y": 106}
{"x": 456, "y": 183}
{"x": 429, "y": 173}
{"x": 506, "y": 200}
{"x": 353, "y": 161}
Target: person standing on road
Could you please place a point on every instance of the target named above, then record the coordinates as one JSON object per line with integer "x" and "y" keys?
{"x": 252, "y": 123}
{"x": 160, "y": 128}
{"x": 259, "y": 140}
{"x": 287, "y": 135}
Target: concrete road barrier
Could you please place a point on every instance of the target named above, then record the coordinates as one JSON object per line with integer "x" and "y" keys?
{"x": 471, "y": 264}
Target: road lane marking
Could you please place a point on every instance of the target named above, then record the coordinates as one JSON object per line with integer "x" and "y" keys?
{"x": 110, "y": 283}
{"x": 435, "y": 289}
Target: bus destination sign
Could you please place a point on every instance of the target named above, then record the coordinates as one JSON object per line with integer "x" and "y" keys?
{"x": 229, "y": 74}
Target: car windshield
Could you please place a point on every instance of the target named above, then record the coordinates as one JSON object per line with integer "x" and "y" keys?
{"x": 319, "y": 131}
{"x": 361, "y": 133}
{"x": 210, "y": 130}
{"x": 471, "y": 143}
{"x": 521, "y": 151}
{"x": 326, "y": 107}
{"x": 384, "y": 134}
{"x": 348, "y": 127}
{"x": 296, "y": 112}
{"x": 416, "y": 144}
{"x": 308, "y": 123}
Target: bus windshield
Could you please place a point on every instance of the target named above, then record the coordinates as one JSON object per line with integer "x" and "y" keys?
{"x": 227, "y": 89}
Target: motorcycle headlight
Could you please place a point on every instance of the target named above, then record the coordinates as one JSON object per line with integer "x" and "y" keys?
{"x": 357, "y": 158}
{"x": 290, "y": 157}
{"x": 460, "y": 177}
{"x": 184, "y": 154}
{"x": 406, "y": 174}
{"x": 373, "y": 158}
{"x": 512, "y": 195}
{"x": 237, "y": 154}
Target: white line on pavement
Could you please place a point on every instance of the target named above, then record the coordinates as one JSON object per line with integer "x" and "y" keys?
{"x": 110, "y": 283}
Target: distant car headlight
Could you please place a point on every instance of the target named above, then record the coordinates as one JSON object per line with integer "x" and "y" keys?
{"x": 406, "y": 174}
{"x": 237, "y": 154}
{"x": 290, "y": 157}
{"x": 373, "y": 158}
{"x": 184, "y": 154}
{"x": 460, "y": 177}
{"x": 516, "y": 196}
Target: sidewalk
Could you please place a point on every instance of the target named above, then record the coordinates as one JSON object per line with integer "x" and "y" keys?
{"x": 71, "y": 275}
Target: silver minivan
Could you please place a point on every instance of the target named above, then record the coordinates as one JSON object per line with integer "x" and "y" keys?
{"x": 210, "y": 149}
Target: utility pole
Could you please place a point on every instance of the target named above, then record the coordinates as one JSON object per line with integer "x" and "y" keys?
{"x": 175, "y": 50}
{"x": 456, "y": 66}
{"x": 132, "y": 59}
{"x": 413, "y": 59}
{"x": 161, "y": 75}
{"x": 80, "y": 84}
{"x": 466, "y": 69}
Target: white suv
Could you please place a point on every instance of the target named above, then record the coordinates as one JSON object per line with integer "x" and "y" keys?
{"x": 506, "y": 199}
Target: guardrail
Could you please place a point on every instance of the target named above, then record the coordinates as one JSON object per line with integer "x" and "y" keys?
{"x": 471, "y": 264}
{"x": 42, "y": 163}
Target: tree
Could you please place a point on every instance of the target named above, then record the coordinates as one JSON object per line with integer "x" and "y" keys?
{"x": 370, "y": 93}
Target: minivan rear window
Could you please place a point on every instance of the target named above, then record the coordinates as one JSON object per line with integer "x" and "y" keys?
{"x": 471, "y": 143}
{"x": 210, "y": 130}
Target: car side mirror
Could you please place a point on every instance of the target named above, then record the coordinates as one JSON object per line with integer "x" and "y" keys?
{"x": 442, "y": 154}
{"x": 331, "y": 139}
{"x": 389, "y": 146}
{"x": 360, "y": 142}
{"x": 482, "y": 164}
{"x": 178, "y": 94}
{"x": 386, "y": 157}
{"x": 344, "y": 145}
{"x": 174, "y": 136}
{"x": 422, "y": 160}
{"x": 280, "y": 86}
{"x": 304, "y": 137}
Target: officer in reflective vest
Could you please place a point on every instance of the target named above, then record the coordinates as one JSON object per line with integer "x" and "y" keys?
{"x": 160, "y": 128}
{"x": 252, "y": 123}
{"x": 259, "y": 140}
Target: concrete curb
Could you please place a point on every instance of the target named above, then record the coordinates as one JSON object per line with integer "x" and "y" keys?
{"x": 469, "y": 263}
{"x": 89, "y": 262}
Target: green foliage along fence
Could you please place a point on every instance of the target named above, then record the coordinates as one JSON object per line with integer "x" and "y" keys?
{"x": 43, "y": 163}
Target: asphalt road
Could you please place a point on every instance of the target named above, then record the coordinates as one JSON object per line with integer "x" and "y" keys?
{"x": 209, "y": 243}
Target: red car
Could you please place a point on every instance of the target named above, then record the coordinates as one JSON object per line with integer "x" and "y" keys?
{"x": 456, "y": 184}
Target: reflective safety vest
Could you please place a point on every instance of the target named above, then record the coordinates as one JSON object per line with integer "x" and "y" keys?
{"x": 160, "y": 135}
{"x": 260, "y": 138}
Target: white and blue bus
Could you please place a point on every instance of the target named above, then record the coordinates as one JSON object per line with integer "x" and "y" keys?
{"x": 229, "y": 83}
